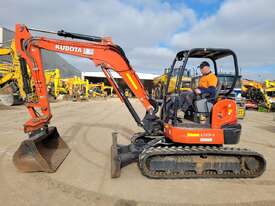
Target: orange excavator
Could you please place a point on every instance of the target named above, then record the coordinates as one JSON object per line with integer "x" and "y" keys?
{"x": 169, "y": 147}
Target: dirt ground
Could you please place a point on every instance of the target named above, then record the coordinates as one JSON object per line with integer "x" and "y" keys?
{"x": 84, "y": 177}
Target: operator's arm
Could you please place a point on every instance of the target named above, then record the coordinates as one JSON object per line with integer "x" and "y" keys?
{"x": 210, "y": 90}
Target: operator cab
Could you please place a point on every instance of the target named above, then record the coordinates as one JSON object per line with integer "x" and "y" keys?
{"x": 202, "y": 106}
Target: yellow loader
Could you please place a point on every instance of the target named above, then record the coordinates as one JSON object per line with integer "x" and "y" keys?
{"x": 11, "y": 82}
{"x": 270, "y": 92}
{"x": 78, "y": 89}
{"x": 159, "y": 83}
{"x": 55, "y": 84}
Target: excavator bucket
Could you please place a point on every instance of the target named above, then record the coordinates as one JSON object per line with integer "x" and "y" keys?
{"x": 43, "y": 153}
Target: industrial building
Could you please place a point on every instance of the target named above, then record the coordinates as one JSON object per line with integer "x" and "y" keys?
{"x": 96, "y": 77}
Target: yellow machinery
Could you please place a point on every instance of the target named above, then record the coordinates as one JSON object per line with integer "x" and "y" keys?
{"x": 269, "y": 84}
{"x": 95, "y": 90}
{"x": 11, "y": 83}
{"x": 251, "y": 90}
{"x": 266, "y": 104}
{"x": 54, "y": 83}
{"x": 100, "y": 90}
{"x": 128, "y": 93}
{"x": 257, "y": 96}
{"x": 159, "y": 83}
{"x": 108, "y": 90}
{"x": 270, "y": 92}
{"x": 78, "y": 89}
{"x": 247, "y": 84}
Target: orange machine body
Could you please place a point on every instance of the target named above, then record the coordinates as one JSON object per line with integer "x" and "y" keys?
{"x": 224, "y": 112}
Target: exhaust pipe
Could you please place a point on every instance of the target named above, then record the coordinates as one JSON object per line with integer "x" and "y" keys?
{"x": 43, "y": 152}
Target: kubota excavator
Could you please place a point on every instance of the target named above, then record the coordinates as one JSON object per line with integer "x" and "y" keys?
{"x": 170, "y": 147}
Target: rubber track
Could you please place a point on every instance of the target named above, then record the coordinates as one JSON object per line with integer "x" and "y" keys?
{"x": 151, "y": 152}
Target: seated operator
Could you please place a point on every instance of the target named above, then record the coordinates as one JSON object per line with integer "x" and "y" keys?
{"x": 207, "y": 82}
{"x": 207, "y": 87}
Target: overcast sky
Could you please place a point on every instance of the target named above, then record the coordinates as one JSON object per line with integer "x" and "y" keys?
{"x": 152, "y": 31}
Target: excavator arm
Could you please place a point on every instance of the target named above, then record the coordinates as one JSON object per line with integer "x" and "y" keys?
{"x": 45, "y": 150}
{"x": 101, "y": 51}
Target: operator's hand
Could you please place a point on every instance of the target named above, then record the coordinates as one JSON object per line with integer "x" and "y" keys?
{"x": 197, "y": 91}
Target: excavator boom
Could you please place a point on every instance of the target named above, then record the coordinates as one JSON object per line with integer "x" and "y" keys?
{"x": 103, "y": 53}
{"x": 100, "y": 50}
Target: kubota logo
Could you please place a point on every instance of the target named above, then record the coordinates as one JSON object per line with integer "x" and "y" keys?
{"x": 68, "y": 48}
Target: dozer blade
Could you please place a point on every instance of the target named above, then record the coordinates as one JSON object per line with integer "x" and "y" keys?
{"x": 122, "y": 155}
{"x": 115, "y": 159}
{"x": 41, "y": 153}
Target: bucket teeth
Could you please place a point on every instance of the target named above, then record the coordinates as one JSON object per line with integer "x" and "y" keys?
{"x": 42, "y": 153}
